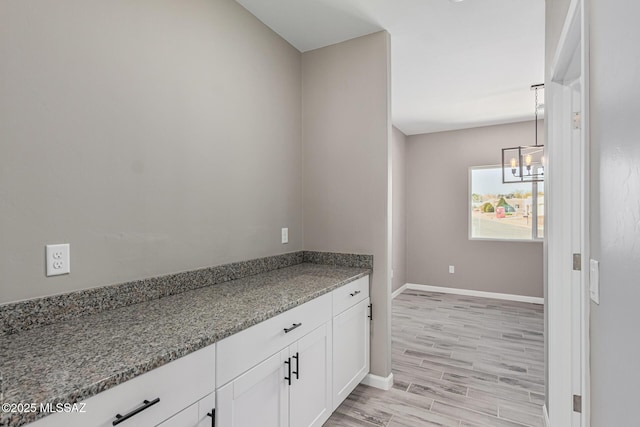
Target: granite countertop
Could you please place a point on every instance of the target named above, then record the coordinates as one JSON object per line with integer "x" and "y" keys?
{"x": 71, "y": 361}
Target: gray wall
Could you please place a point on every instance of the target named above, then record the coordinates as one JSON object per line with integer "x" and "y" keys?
{"x": 346, "y": 139}
{"x": 154, "y": 136}
{"x": 615, "y": 210}
{"x": 399, "y": 216}
{"x": 437, "y": 215}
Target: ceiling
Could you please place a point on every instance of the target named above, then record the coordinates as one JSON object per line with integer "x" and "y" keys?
{"x": 454, "y": 65}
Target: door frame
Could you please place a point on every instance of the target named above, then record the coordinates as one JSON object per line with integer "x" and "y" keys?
{"x": 567, "y": 296}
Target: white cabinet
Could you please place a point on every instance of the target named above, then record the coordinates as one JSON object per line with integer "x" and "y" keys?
{"x": 244, "y": 350}
{"x": 290, "y": 388}
{"x": 256, "y": 398}
{"x": 350, "y": 350}
{"x": 197, "y": 415}
{"x": 149, "y": 399}
{"x": 294, "y": 369}
{"x": 351, "y": 326}
{"x": 207, "y": 411}
{"x": 291, "y": 370}
{"x": 310, "y": 392}
{"x": 350, "y": 294}
{"x": 186, "y": 418}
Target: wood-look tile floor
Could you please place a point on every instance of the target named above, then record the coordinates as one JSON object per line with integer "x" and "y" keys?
{"x": 457, "y": 361}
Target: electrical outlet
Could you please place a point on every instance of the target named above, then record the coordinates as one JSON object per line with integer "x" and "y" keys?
{"x": 285, "y": 235}
{"x": 452, "y": 269}
{"x": 58, "y": 260}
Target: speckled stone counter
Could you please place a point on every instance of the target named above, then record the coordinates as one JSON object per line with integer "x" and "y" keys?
{"x": 76, "y": 359}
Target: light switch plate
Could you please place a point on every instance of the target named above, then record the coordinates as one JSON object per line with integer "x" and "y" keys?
{"x": 58, "y": 260}
{"x": 285, "y": 235}
{"x": 594, "y": 280}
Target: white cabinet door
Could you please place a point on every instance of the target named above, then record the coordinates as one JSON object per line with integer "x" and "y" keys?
{"x": 186, "y": 418}
{"x": 310, "y": 392}
{"x": 258, "y": 397}
{"x": 206, "y": 411}
{"x": 350, "y": 350}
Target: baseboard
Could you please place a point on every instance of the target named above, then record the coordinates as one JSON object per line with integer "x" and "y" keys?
{"x": 468, "y": 292}
{"x": 383, "y": 383}
{"x": 398, "y": 291}
{"x": 545, "y": 414}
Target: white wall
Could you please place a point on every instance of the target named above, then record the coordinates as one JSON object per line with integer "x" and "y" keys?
{"x": 346, "y": 144}
{"x": 154, "y": 136}
{"x": 438, "y": 214}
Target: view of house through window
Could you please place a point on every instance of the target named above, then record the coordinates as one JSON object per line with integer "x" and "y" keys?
{"x": 513, "y": 211}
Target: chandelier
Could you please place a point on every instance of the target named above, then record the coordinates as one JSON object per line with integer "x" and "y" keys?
{"x": 525, "y": 163}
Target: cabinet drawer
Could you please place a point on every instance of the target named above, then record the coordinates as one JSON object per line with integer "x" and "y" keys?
{"x": 247, "y": 348}
{"x": 350, "y": 294}
{"x": 177, "y": 384}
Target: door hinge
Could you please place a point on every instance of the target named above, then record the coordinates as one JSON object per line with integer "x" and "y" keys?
{"x": 577, "y": 262}
{"x": 577, "y": 403}
{"x": 577, "y": 120}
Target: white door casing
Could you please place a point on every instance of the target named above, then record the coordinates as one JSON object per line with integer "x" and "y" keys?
{"x": 567, "y": 298}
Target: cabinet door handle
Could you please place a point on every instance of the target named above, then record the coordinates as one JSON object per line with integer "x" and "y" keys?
{"x": 288, "y": 363}
{"x": 370, "y": 311}
{"x": 297, "y": 371}
{"x": 145, "y": 405}
{"x": 295, "y": 325}
{"x": 353, "y": 294}
{"x": 212, "y": 414}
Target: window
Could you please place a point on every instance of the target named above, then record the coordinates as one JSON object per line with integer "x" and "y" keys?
{"x": 504, "y": 211}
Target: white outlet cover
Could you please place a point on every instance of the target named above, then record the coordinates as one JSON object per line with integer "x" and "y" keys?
{"x": 285, "y": 235}
{"x": 58, "y": 259}
{"x": 452, "y": 269}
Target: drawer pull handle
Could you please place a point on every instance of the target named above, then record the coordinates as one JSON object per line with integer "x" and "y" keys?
{"x": 353, "y": 294}
{"x": 212, "y": 414}
{"x": 146, "y": 405}
{"x": 297, "y": 371}
{"x": 288, "y": 363}
{"x": 295, "y": 325}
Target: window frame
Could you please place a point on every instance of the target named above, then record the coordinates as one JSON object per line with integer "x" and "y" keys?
{"x": 535, "y": 238}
